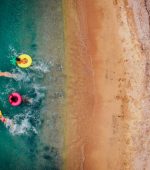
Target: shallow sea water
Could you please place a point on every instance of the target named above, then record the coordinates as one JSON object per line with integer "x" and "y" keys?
{"x": 35, "y": 142}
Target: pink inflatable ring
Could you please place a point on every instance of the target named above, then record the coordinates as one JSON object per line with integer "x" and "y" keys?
{"x": 15, "y": 99}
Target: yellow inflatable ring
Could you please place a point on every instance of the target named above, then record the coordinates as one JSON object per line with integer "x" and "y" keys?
{"x": 27, "y": 61}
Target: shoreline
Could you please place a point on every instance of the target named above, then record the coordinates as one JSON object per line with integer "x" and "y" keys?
{"x": 50, "y": 45}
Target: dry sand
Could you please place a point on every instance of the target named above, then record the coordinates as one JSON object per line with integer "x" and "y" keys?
{"x": 106, "y": 98}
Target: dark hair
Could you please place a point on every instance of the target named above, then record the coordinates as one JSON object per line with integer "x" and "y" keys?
{"x": 18, "y": 59}
{"x": 14, "y": 98}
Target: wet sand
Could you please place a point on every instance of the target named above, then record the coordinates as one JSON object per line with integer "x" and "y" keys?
{"x": 105, "y": 86}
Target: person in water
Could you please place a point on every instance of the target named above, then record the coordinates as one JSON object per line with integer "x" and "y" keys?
{"x": 21, "y": 61}
{"x": 24, "y": 99}
{"x": 14, "y": 98}
{"x": 7, "y": 74}
{"x": 7, "y": 121}
{"x": 2, "y": 118}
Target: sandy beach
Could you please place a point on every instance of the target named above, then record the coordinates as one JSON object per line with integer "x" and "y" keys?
{"x": 105, "y": 87}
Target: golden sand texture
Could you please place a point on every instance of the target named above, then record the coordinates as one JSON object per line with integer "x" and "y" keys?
{"x": 105, "y": 68}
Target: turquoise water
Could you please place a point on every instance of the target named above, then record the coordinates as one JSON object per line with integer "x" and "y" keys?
{"x": 19, "y": 147}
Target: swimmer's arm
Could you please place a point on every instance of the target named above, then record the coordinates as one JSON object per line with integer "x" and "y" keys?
{"x": 7, "y": 74}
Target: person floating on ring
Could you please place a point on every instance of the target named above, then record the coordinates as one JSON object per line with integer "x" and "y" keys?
{"x": 24, "y": 61}
{"x": 15, "y": 99}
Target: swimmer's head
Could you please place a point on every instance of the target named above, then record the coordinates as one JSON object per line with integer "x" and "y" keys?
{"x": 18, "y": 59}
